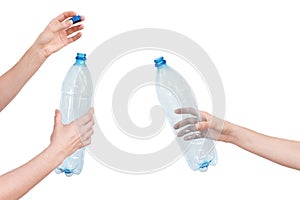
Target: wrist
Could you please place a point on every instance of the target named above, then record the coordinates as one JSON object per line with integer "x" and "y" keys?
{"x": 39, "y": 52}
{"x": 58, "y": 155}
{"x": 229, "y": 130}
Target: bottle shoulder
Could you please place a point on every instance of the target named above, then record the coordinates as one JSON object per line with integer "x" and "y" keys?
{"x": 170, "y": 83}
{"x": 75, "y": 71}
{"x": 171, "y": 77}
{"x": 77, "y": 80}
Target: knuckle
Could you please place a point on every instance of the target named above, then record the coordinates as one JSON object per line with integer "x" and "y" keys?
{"x": 88, "y": 142}
{"x": 205, "y": 113}
{"x": 198, "y": 126}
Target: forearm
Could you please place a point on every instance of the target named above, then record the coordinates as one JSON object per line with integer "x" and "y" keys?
{"x": 281, "y": 151}
{"x": 13, "y": 80}
{"x": 18, "y": 182}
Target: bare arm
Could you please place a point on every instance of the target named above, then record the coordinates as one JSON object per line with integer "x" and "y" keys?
{"x": 282, "y": 151}
{"x": 55, "y": 36}
{"x": 65, "y": 140}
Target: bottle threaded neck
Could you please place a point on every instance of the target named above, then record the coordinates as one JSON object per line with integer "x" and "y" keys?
{"x": 159, "y": 62}
{"x": 80, "y": 59}
{"x": 81, "y": 56}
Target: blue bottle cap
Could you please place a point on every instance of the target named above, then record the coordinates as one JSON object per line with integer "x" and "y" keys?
{"x": 76, "y": 19}
{"x": 81, "y": 56}
{"x": 159, "y": 61}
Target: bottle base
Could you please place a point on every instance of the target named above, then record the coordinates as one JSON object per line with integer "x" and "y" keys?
{"x": 67, "y": 172}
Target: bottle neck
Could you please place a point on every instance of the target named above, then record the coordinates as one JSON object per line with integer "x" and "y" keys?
{"x": 162, "y": 66}
{"x": 160, "y": 62}
{"x": 80, "y": 62}
{"x": 80, "y": 59}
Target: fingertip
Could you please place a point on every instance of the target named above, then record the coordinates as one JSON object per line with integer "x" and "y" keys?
{"x": 57, "y": 116}
{"x": 75, "y": 37}
{"x": 56, "y": 112}
{"x": 175, "y": 126}
{"x": 189, "y": 137}
{"x": 91, "y": 114}
{"x": 197, "y": 126}
{"x": 79, "y": 27}
{"x": 82, "y": 17}
{"x": 186, "y": 138}
{"x": 92, "y": 110}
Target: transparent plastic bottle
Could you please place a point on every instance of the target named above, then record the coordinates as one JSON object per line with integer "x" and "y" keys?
{"x": 76, "y": 95}
{"x": 174, "y": 92}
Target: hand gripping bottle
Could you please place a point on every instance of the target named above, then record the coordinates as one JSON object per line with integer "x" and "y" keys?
{"x": 174, "y": 92}
{"x": 76, "y": 95}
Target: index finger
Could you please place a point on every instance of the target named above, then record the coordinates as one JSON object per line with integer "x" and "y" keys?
{"x": 65, "y": 15}
{"x": 191, "y": 111}
{"x": 85, "y": 118}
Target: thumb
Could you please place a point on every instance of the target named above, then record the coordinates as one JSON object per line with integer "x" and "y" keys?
{"x": 200, "y": 126}
{"x": 67, "y": 24}
{"x": 57, "y": 118}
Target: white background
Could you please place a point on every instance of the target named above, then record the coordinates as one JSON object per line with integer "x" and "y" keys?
{"x": 255, "y": 46}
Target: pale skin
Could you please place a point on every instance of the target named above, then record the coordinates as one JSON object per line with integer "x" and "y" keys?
{"x": 65, "y": 139}
{"x": 281, "y": 151}
{"x": 53, "y": 38}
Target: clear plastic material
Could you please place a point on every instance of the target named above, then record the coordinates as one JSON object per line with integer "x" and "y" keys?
{"x": 76, "y": 94}
{"x": 174, "y": 92}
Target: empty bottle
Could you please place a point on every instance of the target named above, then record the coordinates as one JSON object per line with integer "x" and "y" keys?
{"x": 76, "y": 95}
{"x": 174, "y": 92}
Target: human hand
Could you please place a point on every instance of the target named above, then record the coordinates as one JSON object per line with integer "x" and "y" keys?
{"x": 66, "y": 139}
{"x": 59, "y": 33}
{"x": 210, "y": 127}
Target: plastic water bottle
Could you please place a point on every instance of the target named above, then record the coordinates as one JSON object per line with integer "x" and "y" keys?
{"x": 174, "y": 92}
{"x": 76, "y": 95}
